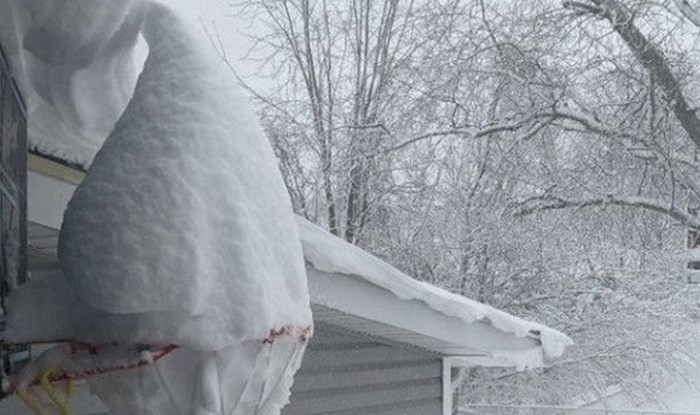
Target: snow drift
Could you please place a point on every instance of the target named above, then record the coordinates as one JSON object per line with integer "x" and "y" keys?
{"x": 181, "y": 233}
{"x": 183, "y": 211}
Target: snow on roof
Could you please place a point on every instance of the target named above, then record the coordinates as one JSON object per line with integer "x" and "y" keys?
{"x": 329, "y": 253}
{"x": 173, "y": 261}
{"x": 322, "y": 250}
{"x": 119, "y": 251}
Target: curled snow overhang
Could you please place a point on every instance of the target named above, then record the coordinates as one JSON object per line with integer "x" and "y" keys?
{"x": 329, "y": 254}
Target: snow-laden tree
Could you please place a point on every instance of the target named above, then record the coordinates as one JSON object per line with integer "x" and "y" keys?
{"x": 539, "y": 157}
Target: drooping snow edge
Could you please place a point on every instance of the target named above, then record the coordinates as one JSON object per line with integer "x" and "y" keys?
{"x": 329, "y": 253}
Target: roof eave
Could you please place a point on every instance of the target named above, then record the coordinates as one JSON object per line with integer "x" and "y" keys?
{"x": 350, "y": 302}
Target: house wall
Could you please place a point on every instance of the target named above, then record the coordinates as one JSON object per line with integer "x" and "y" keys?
{"x": 13, "y": 179}
{"x": 344, "y": 373}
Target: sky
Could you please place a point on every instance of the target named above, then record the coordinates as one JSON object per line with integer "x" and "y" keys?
{"x": 232, "y": 29}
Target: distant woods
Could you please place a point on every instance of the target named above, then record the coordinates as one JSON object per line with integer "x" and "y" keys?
{"x": 538, "y": 156}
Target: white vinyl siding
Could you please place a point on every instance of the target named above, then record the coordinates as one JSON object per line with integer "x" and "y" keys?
{"x": 345, "y": 374}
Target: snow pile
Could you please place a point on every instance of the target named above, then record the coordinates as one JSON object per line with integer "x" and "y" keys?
{"x": 183, "y": 212}
{"x": 328, "y": 253}
{"x": 182, "y": 231}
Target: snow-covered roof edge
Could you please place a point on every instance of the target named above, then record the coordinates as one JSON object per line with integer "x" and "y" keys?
{"x": 329, "y": 253}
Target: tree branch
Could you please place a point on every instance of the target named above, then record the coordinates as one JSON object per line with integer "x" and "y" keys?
{"x": 688, "y": 11}
{"x": 648, "y": 55}
{"x": 541, "y": 203}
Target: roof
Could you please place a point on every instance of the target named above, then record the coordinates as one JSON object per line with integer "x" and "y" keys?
{"x": 327, "y": 253}
{"x": 349, "y": 287}
{"x": 429, "y": 317}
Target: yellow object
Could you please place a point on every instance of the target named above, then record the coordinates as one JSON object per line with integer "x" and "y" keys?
{"x": 29, "y": 400}
{"x": 58, "y": 397}
{"x": 70, "y": 388}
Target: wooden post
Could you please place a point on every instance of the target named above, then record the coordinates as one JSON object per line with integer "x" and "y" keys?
{"x": 446, "y": 386}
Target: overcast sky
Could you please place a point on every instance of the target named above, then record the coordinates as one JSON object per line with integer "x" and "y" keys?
{"x": 232, "y": 29}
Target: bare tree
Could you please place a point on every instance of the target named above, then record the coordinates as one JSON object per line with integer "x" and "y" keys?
{"x": 535, "y": 158}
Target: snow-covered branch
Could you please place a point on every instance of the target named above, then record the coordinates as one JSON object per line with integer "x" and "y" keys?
{"x": 472, "y": 132}
{"x": 690, "y": 12}
{"x": 649, "y": 56}
{"x": 542, "y": 203}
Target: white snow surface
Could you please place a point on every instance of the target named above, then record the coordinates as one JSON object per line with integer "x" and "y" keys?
{"x": 183, "y": 215}
{"x": 329, "y": 253}
{"x": 182, "y": 230}
{"x": 78, "y": 82}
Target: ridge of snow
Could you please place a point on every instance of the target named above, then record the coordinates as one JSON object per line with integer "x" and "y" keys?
{"x": 329, "y": 253}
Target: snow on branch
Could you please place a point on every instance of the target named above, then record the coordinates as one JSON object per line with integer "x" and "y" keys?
{"x": 471, "y": 131}
{"x": 690, "y": 12}
{"x": 542, "y": 203}
{"x": 648, "y": 54}
{"x": 530, "y": 122}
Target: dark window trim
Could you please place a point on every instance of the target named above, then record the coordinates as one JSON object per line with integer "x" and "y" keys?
{"x": 7, "y": 70}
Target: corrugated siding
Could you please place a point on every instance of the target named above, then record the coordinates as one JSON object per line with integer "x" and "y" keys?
{"x": 344, "y": 374}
